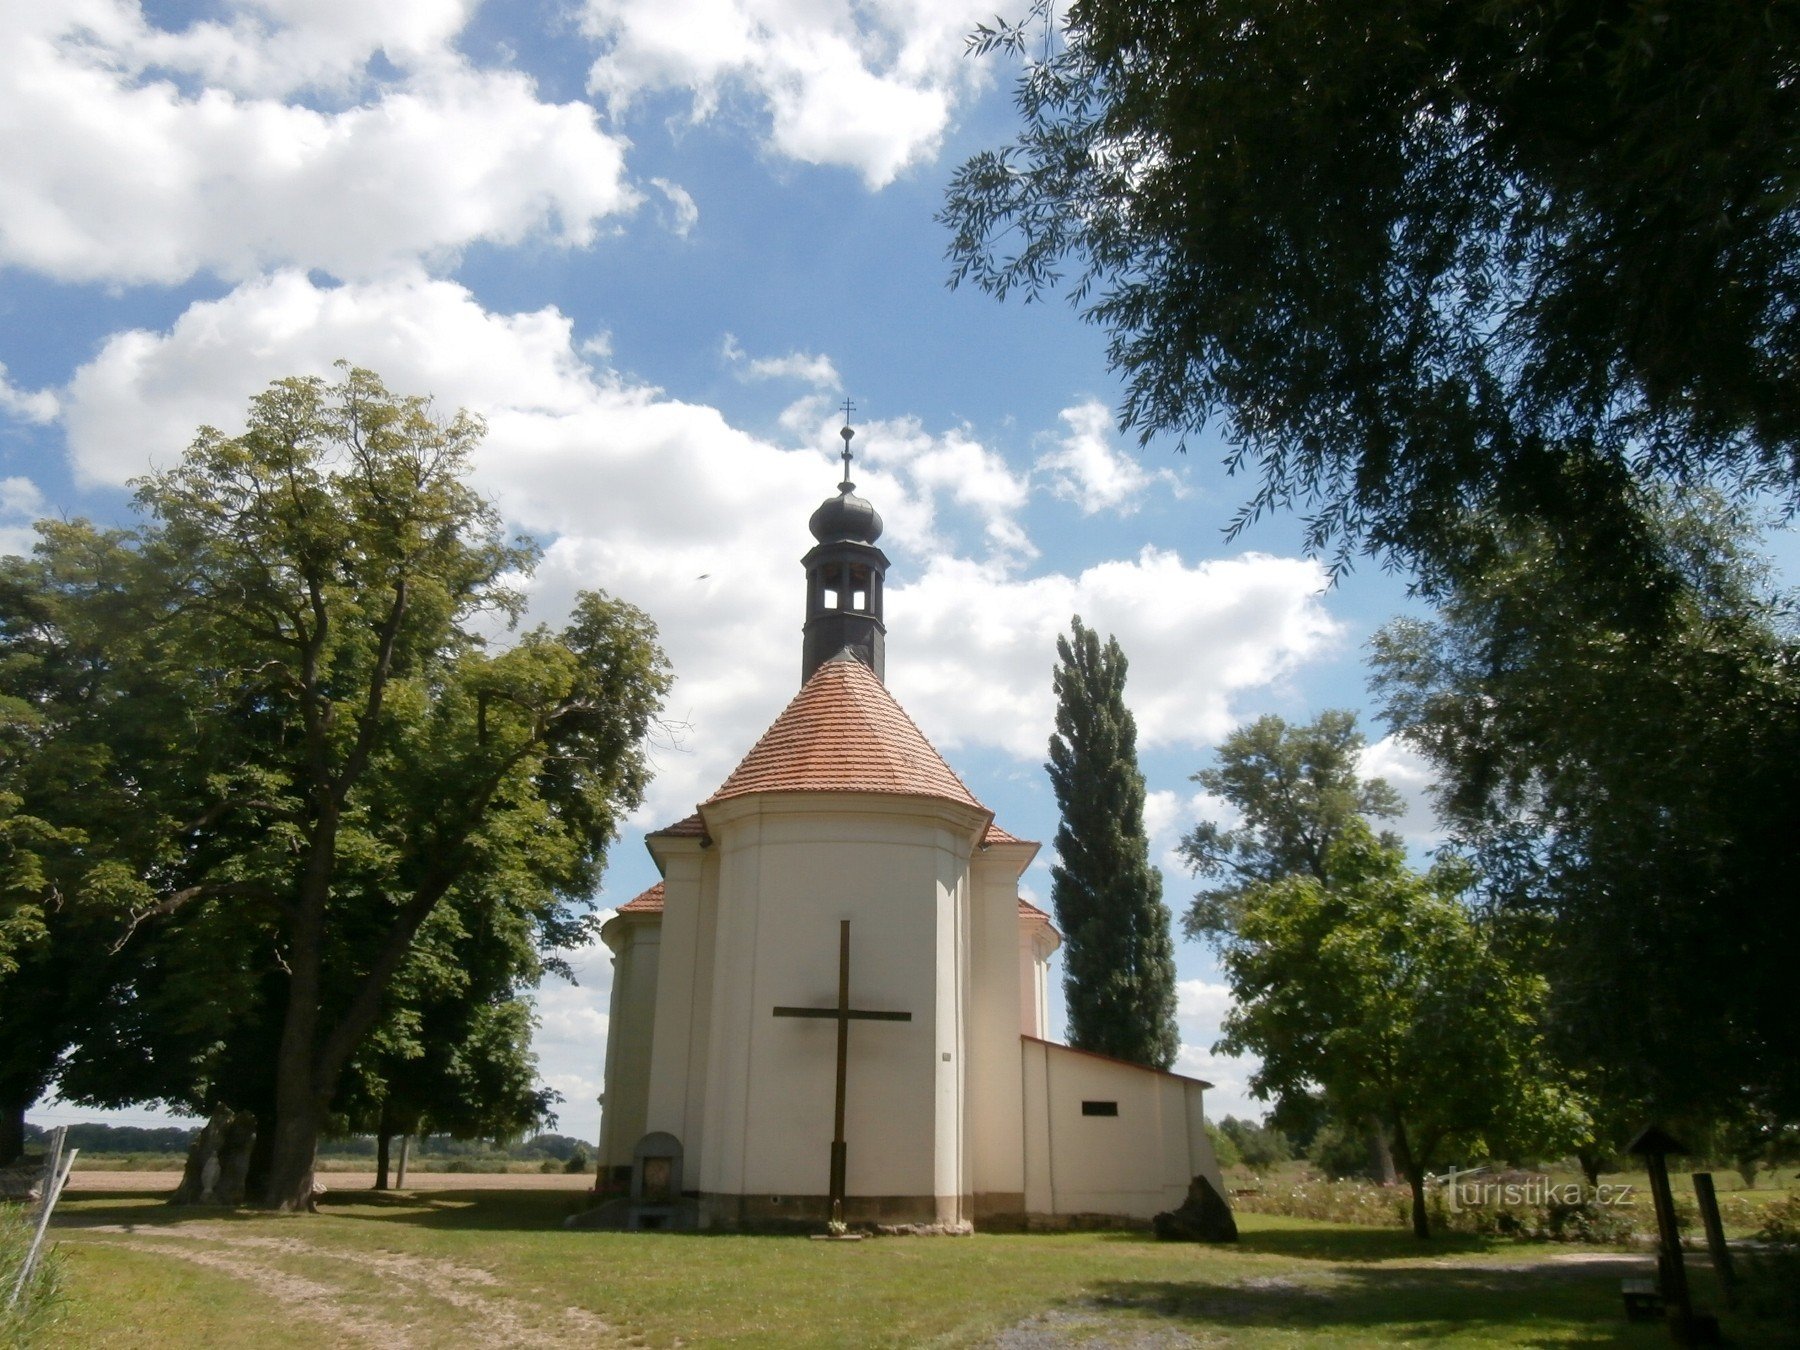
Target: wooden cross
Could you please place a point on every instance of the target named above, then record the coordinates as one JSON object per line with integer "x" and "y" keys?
{"x": 843, "y": 1014}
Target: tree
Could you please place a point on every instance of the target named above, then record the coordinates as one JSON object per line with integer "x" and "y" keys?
{"x": 1257, "y": 1146}
{"x": 1118, "y": 955}
{"x": 1379, "y": 988}
{"x": 1525, "y": 256}
{"x": 452, "y": 1054}
{"x": 342, "y": 753}
{"x": 1630, "y": 792}
{"x": 75, "y": 834}
{"x": 1296, "y": 789}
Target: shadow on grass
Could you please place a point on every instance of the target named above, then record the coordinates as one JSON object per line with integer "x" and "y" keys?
{"x": 1574, "y": 1305}
{"x": 474, "y": 1210}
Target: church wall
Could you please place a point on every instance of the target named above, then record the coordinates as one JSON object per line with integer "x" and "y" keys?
{"x": 789, "y": 868}
{"x": 636, "y": 944}
{"x": 684, "y": 998}
{"x": 1134, "y": 1163}
{"x": 995, "y": 1105}
{"x": 1035, "y": 946}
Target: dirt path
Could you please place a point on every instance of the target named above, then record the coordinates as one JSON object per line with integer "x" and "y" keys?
{"x": 376, "y": 1298}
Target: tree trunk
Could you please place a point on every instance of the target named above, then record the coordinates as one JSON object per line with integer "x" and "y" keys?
{"x": 1415, "y": 1177}
{"x": 1381, "y": 1157}
{"x": 382, "y": 1136}
{"x": 12, "y": 1131}
{"x": 1590, "y": 1167}
{"x": 405, "y": 1140}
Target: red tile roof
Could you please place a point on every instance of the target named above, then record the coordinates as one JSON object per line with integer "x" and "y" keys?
{"x": 844, "y": 732}
{"x": 996, "y": 835}
{"x": 650, "y": 902}
{"x": 688, "y": 827}
{"x": 1027, "y": 910}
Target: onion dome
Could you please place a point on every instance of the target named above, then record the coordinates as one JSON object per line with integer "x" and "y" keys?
{"x": 845, "y": 517}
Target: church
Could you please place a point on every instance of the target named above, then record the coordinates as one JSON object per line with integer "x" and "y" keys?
{"x": 835, "y": 1005}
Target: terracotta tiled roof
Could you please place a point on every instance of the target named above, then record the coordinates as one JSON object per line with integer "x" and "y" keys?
{"x": 650, "y": 902}
{"x": 1027, "y": 910}
{"x": 689, "y": 827}
{"x": 845, "y": 733}
{"x": 996, "y": 835}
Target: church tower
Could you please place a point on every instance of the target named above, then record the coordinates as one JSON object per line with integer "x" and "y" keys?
{"x": 844, "y": 576}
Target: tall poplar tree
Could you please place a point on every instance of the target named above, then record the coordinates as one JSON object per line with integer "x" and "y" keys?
{"x": 1118, "y": 957}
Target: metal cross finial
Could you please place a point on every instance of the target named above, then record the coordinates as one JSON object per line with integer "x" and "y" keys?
{"x": 847, "y": 433}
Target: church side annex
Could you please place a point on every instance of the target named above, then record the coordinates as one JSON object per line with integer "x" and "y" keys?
{"x": 835, "y": 1003}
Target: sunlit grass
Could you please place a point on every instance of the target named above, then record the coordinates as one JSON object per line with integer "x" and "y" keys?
{"x": 448, "y": 1268}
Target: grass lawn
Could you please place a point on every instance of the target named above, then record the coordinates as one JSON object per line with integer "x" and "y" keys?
{"x": 457, "y": 1268}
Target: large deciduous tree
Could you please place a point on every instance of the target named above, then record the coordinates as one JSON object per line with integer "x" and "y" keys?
{"x": 1295, "y": 789}
{"x": 1118, "y": 954}
{"x": 1421, "y": 254}
{"x": 333, "y": 752}
{"x": 1377, "y": 986}
{"x": 1633, "y": 791}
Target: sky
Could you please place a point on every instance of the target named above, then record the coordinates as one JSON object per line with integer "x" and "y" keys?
{"x": 655, "y": 245}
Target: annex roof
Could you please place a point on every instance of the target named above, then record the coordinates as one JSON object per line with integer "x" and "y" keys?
{"x": 844, "y": 732}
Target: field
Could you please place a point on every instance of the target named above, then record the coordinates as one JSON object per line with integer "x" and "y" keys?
{"x": 486, "y": 1263}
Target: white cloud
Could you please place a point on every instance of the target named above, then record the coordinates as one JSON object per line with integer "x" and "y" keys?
{"x": 914, "y": 471}
{"x": 667, "y": 505}
{"x": 1410, "y": 774}
{"x": 807, "y": 368}
{"x": 20, "y": 504}
{"x": 132, "y": 154}
{"x": 1200, "y": 1009}
{"x": 1089, "y": 468}
{"x": 28, "y": 405}
{"x": 982, "y": 645}
{"x": 868, "y": 86}
{"x": 685, "y": 210}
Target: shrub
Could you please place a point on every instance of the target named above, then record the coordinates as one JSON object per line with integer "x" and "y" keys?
{"x": 1770, "y": 1271}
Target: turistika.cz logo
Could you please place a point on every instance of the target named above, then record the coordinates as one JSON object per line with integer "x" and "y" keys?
{"x": 1464, "y": 1191}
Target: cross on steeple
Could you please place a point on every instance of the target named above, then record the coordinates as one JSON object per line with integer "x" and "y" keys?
{"x": 847, "y": 433}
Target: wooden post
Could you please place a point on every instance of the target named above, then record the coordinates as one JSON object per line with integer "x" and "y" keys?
{"x": 56, "y": 1175}
{"x": 1654, "y": 1145}
{"x": 1708, "y": 1200}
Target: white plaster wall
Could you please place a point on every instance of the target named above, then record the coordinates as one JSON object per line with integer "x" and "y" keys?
{"x": 1135, "y": 1164}
{"x": 995, "y": 1101}
{"x": 790, "y": 867}
{"x": 635, "y": 942}
{"x": 684, "y": 993}
{"x": 1036, "y": 942}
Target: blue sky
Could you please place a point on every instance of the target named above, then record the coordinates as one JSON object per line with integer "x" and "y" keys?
{"x": 656, "y": 245}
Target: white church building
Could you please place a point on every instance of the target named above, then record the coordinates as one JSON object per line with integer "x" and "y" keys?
{"x": 735, "y": 1029}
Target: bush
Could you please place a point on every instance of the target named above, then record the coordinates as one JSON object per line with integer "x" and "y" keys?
{"x": 1547, "y": 1216}
{"x": 27, "y": 1322}
{"x": 1770, "y": 1271}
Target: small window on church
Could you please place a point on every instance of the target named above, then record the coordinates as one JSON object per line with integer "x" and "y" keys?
{"x": 859, "y": 599}
{"x": 1099, "y": 1108}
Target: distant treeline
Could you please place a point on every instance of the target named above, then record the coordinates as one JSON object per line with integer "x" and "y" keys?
{"x": 98, "y": 1138}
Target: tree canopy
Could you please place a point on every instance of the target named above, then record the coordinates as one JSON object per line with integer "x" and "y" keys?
{"x": 1421, "y": 256}
{"x": 328, "y": 748}
{"x": 1296, "y": 789}
{"x": 1630, "y": 791}
{"x": 1118, "y": 954}
{"x": 1378, "y": 987}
